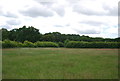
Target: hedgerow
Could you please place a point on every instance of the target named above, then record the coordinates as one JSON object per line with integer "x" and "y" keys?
{"x": 61, "y": 44}
{"x": 45, "y": 44}
{"x": 69, "y": 44}
{"x": 13, "y": 44}
{"x": 28, "y": 44}
{"x": 9, "y": 44}
{"x": 82, "y": 44}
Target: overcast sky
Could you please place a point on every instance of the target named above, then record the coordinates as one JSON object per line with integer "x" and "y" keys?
{"x": 95, "y": 18}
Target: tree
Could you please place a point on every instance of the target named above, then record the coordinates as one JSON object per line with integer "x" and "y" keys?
{"x": 5, "y": 33}
{"x": 48, "y": 37}
{"x": 31, "y": 34}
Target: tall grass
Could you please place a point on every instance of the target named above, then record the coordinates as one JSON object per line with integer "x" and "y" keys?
{"x": 60, "y": 63}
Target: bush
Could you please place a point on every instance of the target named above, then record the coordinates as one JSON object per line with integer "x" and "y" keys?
{"x": 9, "y": 44}
{"x": 60, "y": 44}
{"x": 46, "y": 44}
{"x": 66, "y": 41}
{"x": 19, "y": 44}
{"x": 68, "y": 44}
{"x": 27, "y": 44}
{"x": 81, "y": 44}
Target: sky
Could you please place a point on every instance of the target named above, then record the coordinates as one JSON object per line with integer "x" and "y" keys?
{"x": 94, "y": 18}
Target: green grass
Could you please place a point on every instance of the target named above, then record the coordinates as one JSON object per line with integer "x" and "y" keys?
{"x": 60, "y": 63}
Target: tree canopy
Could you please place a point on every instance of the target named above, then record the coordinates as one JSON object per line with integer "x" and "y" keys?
{"x": 32, "y": 34}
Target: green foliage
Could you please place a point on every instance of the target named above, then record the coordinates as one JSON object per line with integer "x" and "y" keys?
{"x": 28, "y": 44}
{"x": 82, "y": 44}
{"x": 66, "y": 41}
{"x": 5, "y": 34}
{"x": 68, "y": 44}
{"x": 9, "y": 44}
{"x": 46, "y": 44}
{"x": 12, "y": 44}
{"x": 25, "y": 33}
{"x": 61, "y": 44}
{"x": 32, "y": 34}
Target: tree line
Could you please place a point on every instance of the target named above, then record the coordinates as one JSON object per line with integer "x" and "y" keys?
{"x": 33, "y": 35}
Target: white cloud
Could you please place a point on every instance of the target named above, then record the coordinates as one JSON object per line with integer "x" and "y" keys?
{"x": 89, "y": 8}
{"x": 96, "y": 18}
{"x": 96, "y": 7}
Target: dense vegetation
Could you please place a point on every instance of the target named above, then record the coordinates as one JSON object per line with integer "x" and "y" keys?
{"x": 32, "y": 34}
{"x": 31, "y": 37}
{"x": 14, "y": 44}
{"x": 78, "y": 44}
{"x": 68, "y": 44}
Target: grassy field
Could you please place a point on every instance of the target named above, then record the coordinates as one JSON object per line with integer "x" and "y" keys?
{"x": 60, "y": 63}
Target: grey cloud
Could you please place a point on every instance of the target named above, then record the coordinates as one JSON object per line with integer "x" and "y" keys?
{"x": 13, "y": 22}
{"x": 119, "y": 9}
{"x": 87, "y": 31}
{"x": 93, "y": 23}
{"x": 67, "y": 25}
{"x": 58, "y": 25}
{"x": 47, "y": 3}
{"x": 82, "y": 10}
{"x": 118, "y": 31}
{"x": 107, "y": 10}
{"x": 62, "y": 25}
{"x": 1, "y": 11}
{"x": 112, "y": 11}
{"x": 9, "y": 14}
{"x": 36, "y": 11}
{"x": 73, "y": 1}
{"x": 5, "y": 26}
{"x": 59, "y": 10}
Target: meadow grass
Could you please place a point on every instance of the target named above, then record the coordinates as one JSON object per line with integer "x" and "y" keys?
{"x": 60, "y": 63}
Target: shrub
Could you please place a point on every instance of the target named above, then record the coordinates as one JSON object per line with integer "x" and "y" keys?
{"x": 66, "y": 41}
{"x": 68, "y": 44}
{"x": 9, "y": 44}
{"x": 46, "y": 44}
{"x": 27, "y": 44}
{"x": 60, "y": 44}
{"x": 19, "y": 44}
{"x": 81, "y": 44}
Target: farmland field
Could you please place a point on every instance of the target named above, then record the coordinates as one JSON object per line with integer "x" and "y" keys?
{"x": 60, "y": 63}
